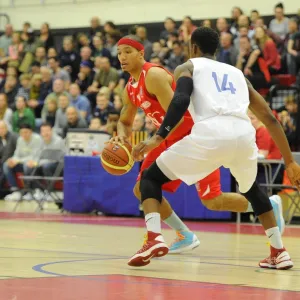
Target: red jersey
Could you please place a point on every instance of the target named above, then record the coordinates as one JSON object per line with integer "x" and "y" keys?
{"x": 140, "y": 97}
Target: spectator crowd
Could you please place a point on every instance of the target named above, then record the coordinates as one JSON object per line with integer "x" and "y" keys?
{"x": 45, "y": 89}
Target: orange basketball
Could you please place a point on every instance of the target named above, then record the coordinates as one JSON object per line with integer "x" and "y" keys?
{"x": 116, "y": 159}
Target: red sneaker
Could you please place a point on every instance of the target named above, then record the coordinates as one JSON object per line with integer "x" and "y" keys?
{"x": 279, "y": 259}
{"x": 154, "y": 246}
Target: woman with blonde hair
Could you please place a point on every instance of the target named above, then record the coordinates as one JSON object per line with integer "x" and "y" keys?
{"x": 6, "y": 113}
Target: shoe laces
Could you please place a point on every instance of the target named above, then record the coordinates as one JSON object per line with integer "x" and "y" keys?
{"x": 145, "y": 239}
{"x": 180, "y": 237}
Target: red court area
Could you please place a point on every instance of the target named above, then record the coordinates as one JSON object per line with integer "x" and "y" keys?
{"x": 118, "y": 287}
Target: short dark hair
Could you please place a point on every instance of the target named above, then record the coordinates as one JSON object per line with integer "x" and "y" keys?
{"x": 54, "y": 57}
{"x": 46, "y": 124}
{"x": 177, "y": 43}
{"x": 170, "y": 19}
{"x": 254, "y": 11}
{"x": 25, "y": 126}
{"x": 206, "y": 39}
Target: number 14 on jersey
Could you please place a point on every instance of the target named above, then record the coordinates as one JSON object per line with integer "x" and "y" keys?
{"x": 224, "y": 87}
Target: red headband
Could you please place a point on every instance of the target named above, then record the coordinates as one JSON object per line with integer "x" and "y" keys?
{"x": 135, "y": 44}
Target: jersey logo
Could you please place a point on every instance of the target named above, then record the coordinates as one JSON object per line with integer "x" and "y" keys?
{"x": 145, "y": 105}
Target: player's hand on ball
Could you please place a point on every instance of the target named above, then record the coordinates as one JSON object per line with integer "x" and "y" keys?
{"x": 119, "y": 139}
{"x": 144, "y": 147}
{"x": 293, "y": 172}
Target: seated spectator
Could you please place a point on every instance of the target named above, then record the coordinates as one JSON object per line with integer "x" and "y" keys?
{"x": 8, "y": 142}
{"x": 22, "y": 115}
{"x": 138, "y": 122}
{"x": 206, "y": 23}
{"x": 86, "y": 76}
{"x": 60, "y": 117}
{"x": 50, "y": 115}
{"x": 150, "y": 127}
{"x": 268, "y": 50}
{"x": 227, "y": 53}
{"x": 24, "y": 90}
{"x": 46, "y": 86}
{"x": 265, "y": 144}
{"x": 176, "y": 57}
{"x": 27, "y": 149}
{"x": 254, "y": 67}
{"x": 170, "y": 26}
{"x": 156, "y": 60}
{"x": 96, "y": 28}
{"x": 243, "y": 32}
{"x": 157, "y": 50}
{"x": 82, "y": 41}
{"x": 103, "y": 109}
{"x": 173, "y": 37}
{"x": 222, "y": 26}
{"x": 280, "y": 24}
{"x": 254, "y": 15}
{"x": 141, "y": 32}
{"x": 6, "y": 113}
{"x": 243, "y": 21}
{"x": 111, "y": 44}
{"x": 69, "y": 59}
{"x": 95, "y": 124}
{"x": 99, "y": 49}
{"x": 10, "y": 89}
{"x": 294, "y": 54}
{"x": 58, "y": 72}
{"x": 58, "y": 89}
{"x": 73, "y": 120}
{"x": 35, "y": 68}
{"x": 236, "y": 12}
{"x": 288, "y": 119}
{"x": 35, "y": 86}
{"x": 40, "y": 56}
{"x": 80, "y": 102}
{"x": 86, "y": 54}
{"x": 51, "y": 53}
{"x": 45, "y": 167}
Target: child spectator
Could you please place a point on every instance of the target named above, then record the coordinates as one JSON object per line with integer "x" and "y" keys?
{"x": 24, "y": 90}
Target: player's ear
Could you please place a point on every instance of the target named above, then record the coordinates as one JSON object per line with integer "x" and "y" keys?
{"x": 142, "y": 53}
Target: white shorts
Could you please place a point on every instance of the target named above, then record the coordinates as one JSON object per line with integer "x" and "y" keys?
{"x": 221, "y": 141}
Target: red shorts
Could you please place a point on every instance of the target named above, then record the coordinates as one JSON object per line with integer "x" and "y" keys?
{"x": 208, "y": 188}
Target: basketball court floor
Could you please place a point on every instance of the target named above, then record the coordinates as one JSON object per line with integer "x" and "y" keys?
{"x": 75, "y": 257}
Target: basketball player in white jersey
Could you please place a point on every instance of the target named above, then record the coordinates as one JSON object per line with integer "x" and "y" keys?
{"x": 218, "y": 97}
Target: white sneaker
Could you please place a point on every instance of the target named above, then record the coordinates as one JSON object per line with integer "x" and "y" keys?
{"x": 14, "y": 196}
{"x": 27, "y": 197}
{"x": 38, "y": 194}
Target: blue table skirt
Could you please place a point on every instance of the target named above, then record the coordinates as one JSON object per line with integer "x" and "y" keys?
{"x": 88, "y": 187}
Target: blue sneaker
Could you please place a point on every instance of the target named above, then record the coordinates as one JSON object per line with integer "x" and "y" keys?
{"x": 277, "y": 208}
{"x": 185, "y": 241}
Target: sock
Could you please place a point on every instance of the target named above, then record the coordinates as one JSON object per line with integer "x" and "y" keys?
{"x": 274, "y": 237}
{"x": 249, "y": 208}
{"x": 174, "y": 222}
{"x": 153, "y": 222}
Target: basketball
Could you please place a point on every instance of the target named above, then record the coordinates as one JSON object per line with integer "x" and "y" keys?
{"x": 116, "y": 159}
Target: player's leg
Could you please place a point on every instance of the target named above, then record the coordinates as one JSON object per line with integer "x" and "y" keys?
{"x": 245, "y": 173}
{"x": 210, "y": 193}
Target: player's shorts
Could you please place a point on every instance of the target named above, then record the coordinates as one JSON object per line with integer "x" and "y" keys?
{"x": 208, "y": 188}
{"x": 220, "y": 141}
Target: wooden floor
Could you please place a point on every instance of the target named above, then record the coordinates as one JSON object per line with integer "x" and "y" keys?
{"x": 64, "y": 257}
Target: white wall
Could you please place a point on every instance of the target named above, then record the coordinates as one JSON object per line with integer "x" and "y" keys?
{"x": 64, "y": 13}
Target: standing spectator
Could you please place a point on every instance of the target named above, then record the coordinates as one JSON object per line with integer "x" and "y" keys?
{"x": 80, "y": 102}
{"x": 6, "y": 113}
{"x": 22, "y": 115}
{"x": 227, "y": 53}
{"x": 45, "y": 39}
{"x": 176, "y": 57}
{"x": 8, "y": 142}
{"x": 268, "y": 50}
{"x": 280, "y": 25}
{"x": 24, "y": 35}
{"x": 69, "y": 59}
{"x": 6, "y": 38}
{"x": 58, "y": 72}
{"x": 141, "y": 32}
{"x": 73, "y": 120}
{"x": 170, "y": 26}
{"x": 95, "y": 28}
{"x": 293, "y": 58}
{"x": 27, "y": 149}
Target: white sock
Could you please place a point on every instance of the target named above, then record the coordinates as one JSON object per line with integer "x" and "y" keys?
{"x": 274, "y": 237}
{"x": 153, "y": 222}
{"x": 175, "y": 222}
{"x": 249, "y": 208}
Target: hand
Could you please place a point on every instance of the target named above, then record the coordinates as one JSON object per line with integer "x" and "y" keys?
{"x": 81, "y": 76}
{"x": 293, "y": 172}
{"x": 144, "y": 147}
{"x": 11, "y": 162}
{"x": 33, "y": 103}
{"x": 248, "y": 72}
{"x": 119, "y": 139}
{"x": 293, "y": 52}
{"x": 31, "y": 164}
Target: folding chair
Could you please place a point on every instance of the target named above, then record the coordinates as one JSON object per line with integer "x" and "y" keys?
{"x": 45, "y": 182}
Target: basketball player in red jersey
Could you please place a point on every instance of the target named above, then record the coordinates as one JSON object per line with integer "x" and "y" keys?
{"x": 151, "y": 88}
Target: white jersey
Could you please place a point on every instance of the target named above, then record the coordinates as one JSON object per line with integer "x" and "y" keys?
{"x": 219, "y": 89}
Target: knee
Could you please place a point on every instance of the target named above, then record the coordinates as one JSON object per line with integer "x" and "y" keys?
{"x": 214, "y": 203}
{"x": 136, "y": 191}
{"x": 150, "y": 186}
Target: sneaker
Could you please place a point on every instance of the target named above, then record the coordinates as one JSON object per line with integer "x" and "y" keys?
{"x": 154, "y": 246}
{"x": 27, "y": 197}
{"x": 277, "y": 208}
{"x": 279, "y": 259}
{"x": 15, "y": 196}
{"x": 185, "y": 241}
